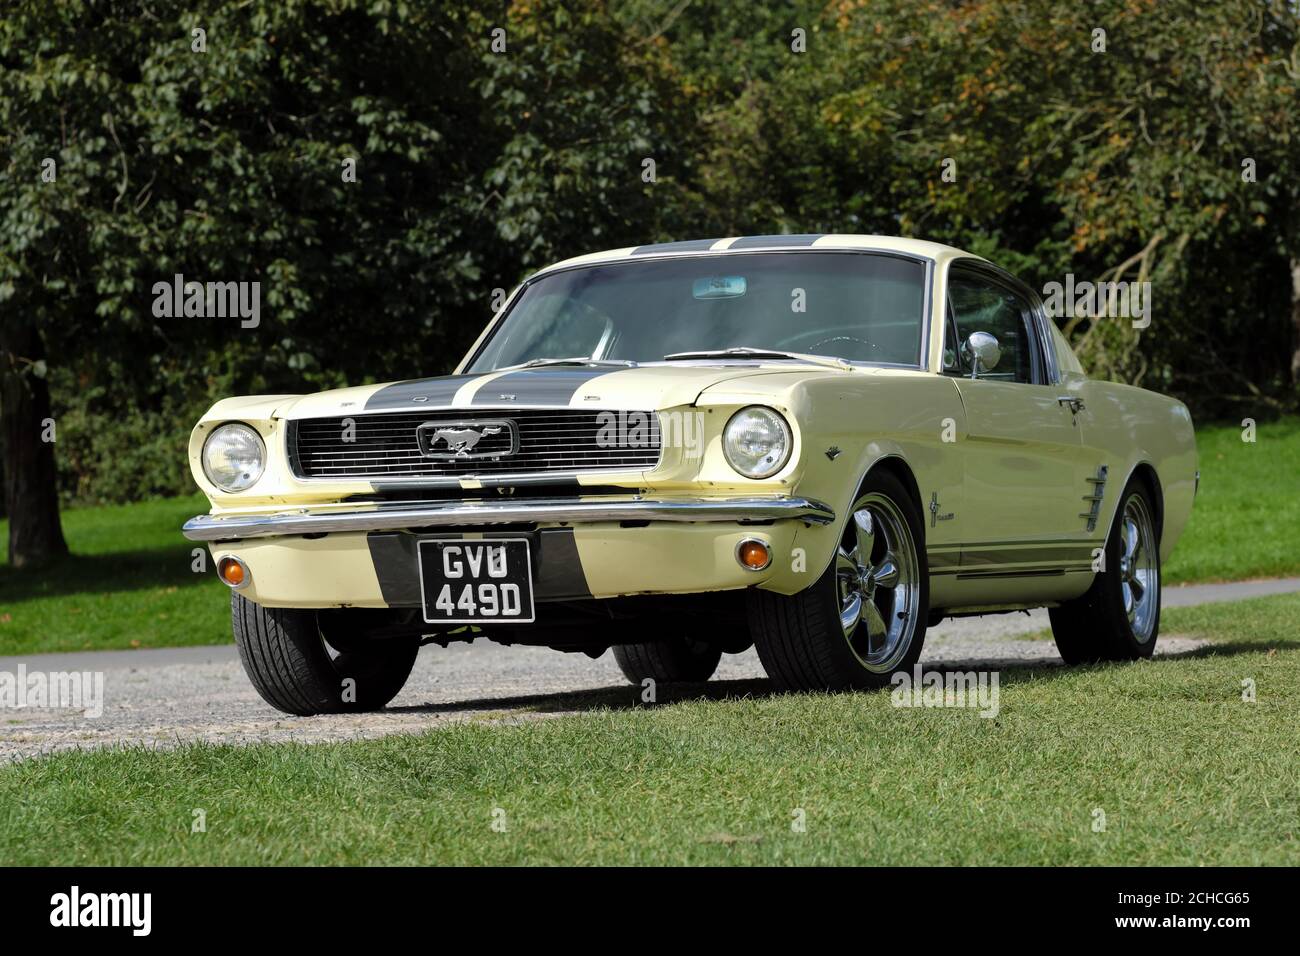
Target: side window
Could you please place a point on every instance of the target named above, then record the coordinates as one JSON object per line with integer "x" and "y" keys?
{"x": 976, "y": 304}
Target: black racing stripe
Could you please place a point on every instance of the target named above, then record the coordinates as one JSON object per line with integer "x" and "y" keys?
{"x": 393, "y": 553}
{"x": 686, "y": 245}
{"x": 559, "y": 569}
{"x": 430, "y": 392}
{"x": 765, "y": 242}
{"x": 537, "y": 386}
{"x": 539, "y": 486}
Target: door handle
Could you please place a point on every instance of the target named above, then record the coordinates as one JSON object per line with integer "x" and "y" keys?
{"x": 1075, "y": 404}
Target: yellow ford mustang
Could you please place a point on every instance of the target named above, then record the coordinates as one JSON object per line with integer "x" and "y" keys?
{"x": 818, "y": 445}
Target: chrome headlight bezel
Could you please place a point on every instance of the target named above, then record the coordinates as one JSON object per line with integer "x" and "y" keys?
{"x": 746, "y": 463}
{"x": 253, "y": 469}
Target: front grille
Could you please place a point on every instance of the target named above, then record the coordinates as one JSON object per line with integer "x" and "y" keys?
{"x": 549, "y": 440}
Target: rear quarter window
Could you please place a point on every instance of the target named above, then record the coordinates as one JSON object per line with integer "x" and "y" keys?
{"x": 1065, "y": 357}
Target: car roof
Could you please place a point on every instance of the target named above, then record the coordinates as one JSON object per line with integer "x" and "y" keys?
{"x": 741, "y": 244}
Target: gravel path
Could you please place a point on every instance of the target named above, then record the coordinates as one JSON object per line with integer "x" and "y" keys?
{"x": 159, "y": 698}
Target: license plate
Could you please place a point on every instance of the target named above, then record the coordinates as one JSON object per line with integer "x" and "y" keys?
{"x": 476, "y": 581}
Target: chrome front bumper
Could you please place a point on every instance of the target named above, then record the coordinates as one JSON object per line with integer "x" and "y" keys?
{"x": 411, "y": 515}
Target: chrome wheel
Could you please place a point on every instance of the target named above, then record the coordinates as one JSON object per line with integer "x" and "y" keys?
{"x": 1139, "y": 568}
{"x": 878, "y": 584}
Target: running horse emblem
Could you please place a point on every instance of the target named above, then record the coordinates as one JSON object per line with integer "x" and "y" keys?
{"x": 462, "y": 441}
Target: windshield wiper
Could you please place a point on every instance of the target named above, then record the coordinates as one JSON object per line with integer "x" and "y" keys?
{"x": 744, "y": 351}
{"x": 576, "y": 360}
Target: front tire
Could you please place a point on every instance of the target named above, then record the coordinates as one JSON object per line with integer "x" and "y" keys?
{"x": 291, "y": 666}
{"x": 1118, "y": 618}
{"x": 864, "y": 619}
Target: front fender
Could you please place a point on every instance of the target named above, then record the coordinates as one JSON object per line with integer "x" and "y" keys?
{"x": 849, "y": 424}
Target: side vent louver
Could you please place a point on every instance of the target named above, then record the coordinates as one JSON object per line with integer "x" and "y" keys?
{"x": 1094, "y": 507}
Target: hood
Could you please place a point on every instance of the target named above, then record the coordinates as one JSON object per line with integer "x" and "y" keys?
{"x": 645, "y": 387}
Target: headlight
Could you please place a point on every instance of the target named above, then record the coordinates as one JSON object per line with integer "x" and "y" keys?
{"x": 234, "y": 457}
{"x": 756, "y": 442}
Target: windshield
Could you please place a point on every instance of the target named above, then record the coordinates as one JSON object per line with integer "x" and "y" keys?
{"x": 855, "y": 306}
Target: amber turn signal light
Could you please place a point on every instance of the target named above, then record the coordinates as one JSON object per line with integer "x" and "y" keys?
{"x": 754, "y": 554}
{"x": 232, "y": 571}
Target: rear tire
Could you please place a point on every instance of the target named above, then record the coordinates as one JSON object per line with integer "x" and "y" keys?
{"x": 1118, "y": 618}
{"x": 864, "y": 619}
{"x": 290, "y": 665}
{"x": 678, "y": 660}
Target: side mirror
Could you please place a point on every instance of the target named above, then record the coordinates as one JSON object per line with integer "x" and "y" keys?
{"x": 982, "y": 351}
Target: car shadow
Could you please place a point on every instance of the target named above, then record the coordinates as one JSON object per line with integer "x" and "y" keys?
{"x": 1228, "y": 650}
{"x": 1010, "y": 671}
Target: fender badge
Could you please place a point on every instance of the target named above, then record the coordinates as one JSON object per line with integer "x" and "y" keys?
{"x": 935, "y": 517}
{"x": 833, "y": 452}
{"x": 506, "y": 398}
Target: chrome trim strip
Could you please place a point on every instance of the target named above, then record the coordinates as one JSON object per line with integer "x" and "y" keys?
{"x": 403, "y": 515}
{"x": 486, "y": 480}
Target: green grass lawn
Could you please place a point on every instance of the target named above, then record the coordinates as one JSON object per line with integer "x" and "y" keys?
{"x": 1184, "y": 770}
{"x": 1246, "y": 522}
{"x": 129, "y": 582}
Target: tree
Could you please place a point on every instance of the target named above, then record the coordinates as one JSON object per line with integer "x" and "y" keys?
{"x": 378, "y": 169}
{"x": 30, "y": 489}
{"x": 1009, "y": 130}
{"x": 145, "y": 141}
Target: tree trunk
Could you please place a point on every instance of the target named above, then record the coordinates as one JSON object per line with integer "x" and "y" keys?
{"x": 31, "y": 495}
{"x": 1295, "y": 320}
